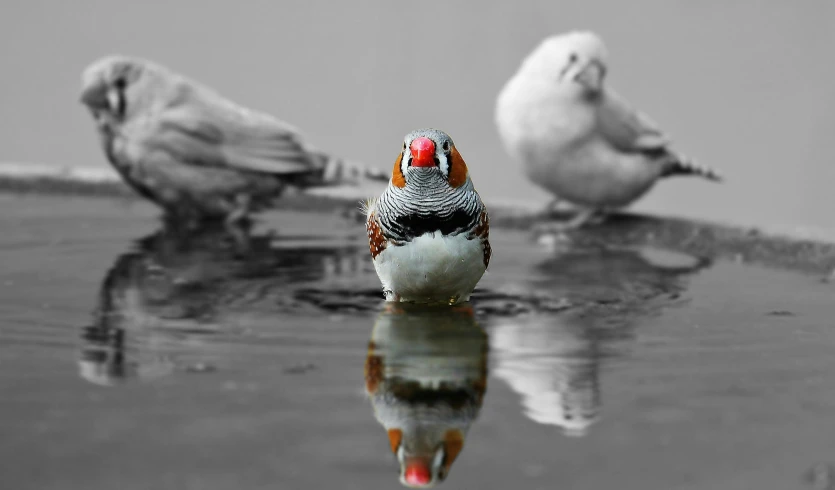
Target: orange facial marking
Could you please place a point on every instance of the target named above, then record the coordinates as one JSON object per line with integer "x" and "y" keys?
{"x": 457, "y": 169}
{"x": 376, "y": 241}
{"x": 397, "y": 177}
{"x": 395, "y": 436}
{"x": 453, "y": 444}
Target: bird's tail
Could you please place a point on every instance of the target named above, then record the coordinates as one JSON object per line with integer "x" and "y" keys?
{"x": 684, "y": 165}
{"x": 336, "y": 171}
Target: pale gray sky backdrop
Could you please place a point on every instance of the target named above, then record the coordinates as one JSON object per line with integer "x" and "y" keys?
{"x": 744, "y": 85}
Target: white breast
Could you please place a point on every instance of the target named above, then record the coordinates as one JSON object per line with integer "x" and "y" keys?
{"x": 431, "y": 269}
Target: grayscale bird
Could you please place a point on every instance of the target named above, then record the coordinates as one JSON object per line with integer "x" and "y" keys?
{"x": 577, "y": 138}
{"x": 195, "y": 153}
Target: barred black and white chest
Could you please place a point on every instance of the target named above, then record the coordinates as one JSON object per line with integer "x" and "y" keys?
{"x": 429, "y": 234}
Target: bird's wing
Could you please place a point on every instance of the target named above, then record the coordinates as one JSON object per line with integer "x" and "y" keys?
{"x": 626, "y": 128}
{"x": 199, "y": 132}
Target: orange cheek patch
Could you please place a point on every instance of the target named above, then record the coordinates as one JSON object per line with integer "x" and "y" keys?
{"x": 453, "y": 444}
{"x": 395, "y": 436}
{"x": 457, "y": 169}
{"x": 397, "y": 177}
{"x": 376, "y": 241}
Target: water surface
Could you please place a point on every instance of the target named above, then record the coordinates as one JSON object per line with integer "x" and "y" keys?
{"x": 135, "y": 358}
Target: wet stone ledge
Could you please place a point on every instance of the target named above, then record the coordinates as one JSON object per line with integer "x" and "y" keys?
{"x": 798, "y": 250}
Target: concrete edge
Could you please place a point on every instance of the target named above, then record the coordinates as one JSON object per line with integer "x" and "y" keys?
{"x": 803, "y": 249}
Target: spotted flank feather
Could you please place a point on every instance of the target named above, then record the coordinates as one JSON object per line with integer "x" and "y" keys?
{"x": 482, "y": 233}
{"x": 377, "y": 242}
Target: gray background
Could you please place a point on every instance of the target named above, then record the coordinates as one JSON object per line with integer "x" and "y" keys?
{"x": 745, "y": 86}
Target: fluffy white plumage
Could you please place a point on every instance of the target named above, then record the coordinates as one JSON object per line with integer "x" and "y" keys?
{"x": 431, "y": 268}
{"x": 577, "y": 138}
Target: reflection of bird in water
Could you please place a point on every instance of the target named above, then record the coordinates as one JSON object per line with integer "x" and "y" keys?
{"x": 553, "y": 366}
{"x": 171, "y": 292}
{"x": 426, "y": 375}
{"x": 553, "y": 360}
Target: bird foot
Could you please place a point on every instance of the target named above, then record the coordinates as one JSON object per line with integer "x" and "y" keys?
{"x": 390, "y": 296}
{"x": 239, "y": 231}
{"x": 581, "y": 218}
{"x": 557, "y": 207}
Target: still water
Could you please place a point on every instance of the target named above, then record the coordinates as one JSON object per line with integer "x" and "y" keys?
{"x": 136, "y": 358}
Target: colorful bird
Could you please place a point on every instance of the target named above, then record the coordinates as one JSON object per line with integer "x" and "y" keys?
{"x": 429, "y": 230}
{"x": 195, "y": 153}
{"x": 579, "y": 139}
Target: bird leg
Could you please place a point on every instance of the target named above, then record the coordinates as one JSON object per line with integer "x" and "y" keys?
{"x": 238, "y": 226}
{"x": 390, "y": 296}
{"x": 599, "y": 216}
{"x": 184, "y": 219}
{"x": 585, "y": 216}
{"x": 556, "y": 205}
{"x": 240, "y": 237}
{"x": 582, "y": 217}
{"x": 241, "y": 209}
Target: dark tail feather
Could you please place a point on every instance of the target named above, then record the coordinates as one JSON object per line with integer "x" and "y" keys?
{"x": 338, "y": 171}
{"x": 683, "y": 165}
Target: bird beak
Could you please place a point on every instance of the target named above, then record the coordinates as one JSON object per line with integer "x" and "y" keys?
{"x": 95, "y": 96}
{"x": 417, "y": 472}
{"x": 423, "y": 152}
{"x": 591, "y": 75}
{"x": 426, "y": 470}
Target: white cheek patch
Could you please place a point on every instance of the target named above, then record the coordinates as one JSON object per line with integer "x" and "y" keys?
{"x": 437, "y": 461}
{"x": 444, "y": 160}
{"x": 404, "y": 161}
{"x": 113, "y": 100}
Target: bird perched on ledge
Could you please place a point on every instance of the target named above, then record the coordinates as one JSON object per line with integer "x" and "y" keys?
{"x": 429, "y": 230}
{"x": 579, "y": 139}
{"x": 195, "y": 153}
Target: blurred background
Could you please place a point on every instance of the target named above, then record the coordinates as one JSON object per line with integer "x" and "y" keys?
{"x": 746, "y": 86}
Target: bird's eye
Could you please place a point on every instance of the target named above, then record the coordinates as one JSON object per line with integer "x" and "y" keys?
{"x": 445, "y": 146}
{"x": 404, "y": 145}
{"x": 572, "y": 58}
{"x": 120, "y": 83}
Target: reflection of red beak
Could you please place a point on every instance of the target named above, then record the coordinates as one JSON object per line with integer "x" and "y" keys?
{"x": 417, "y": 471}
{"x": 423, "y": 152}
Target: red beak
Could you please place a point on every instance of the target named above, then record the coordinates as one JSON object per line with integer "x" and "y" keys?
{"x": 417, "y": 472}
{"x": 423, "y": 152}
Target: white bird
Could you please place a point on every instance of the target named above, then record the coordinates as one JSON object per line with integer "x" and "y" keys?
{"x": 195, "y": 153}
{"x": 428, "y": 232}
{"x": 577, "y": 138}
